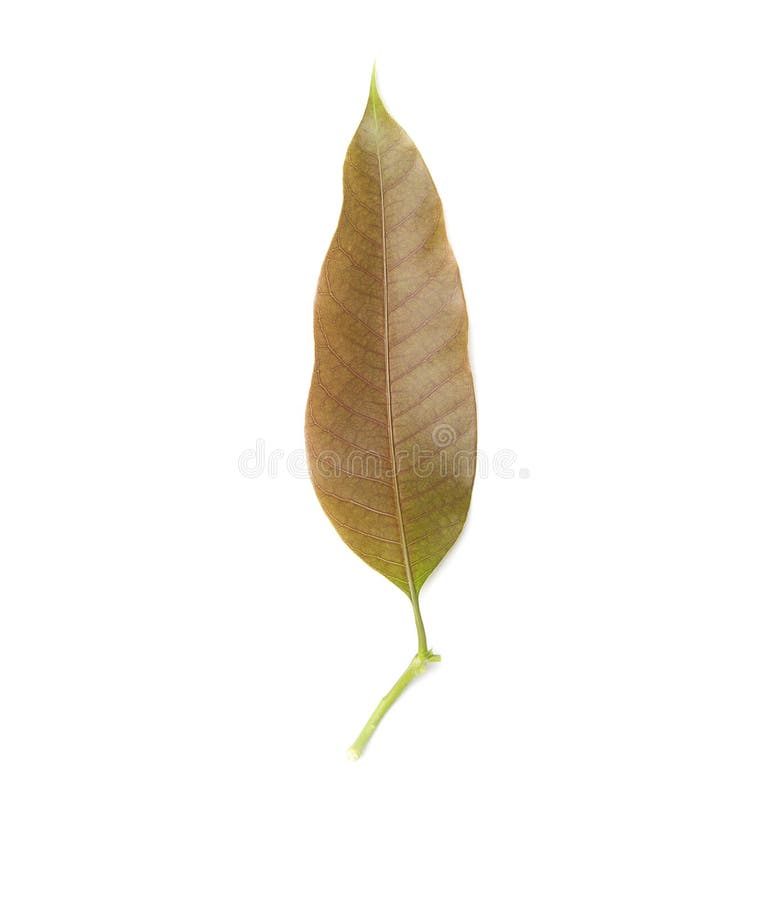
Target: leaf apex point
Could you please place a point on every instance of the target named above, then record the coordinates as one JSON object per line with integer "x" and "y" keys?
{"x": 374, "y": 91}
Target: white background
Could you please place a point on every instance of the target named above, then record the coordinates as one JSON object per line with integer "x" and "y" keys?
{"x": 185, "y": 652}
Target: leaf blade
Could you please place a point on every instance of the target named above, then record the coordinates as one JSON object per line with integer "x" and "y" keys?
{"x": 391, "y": 408}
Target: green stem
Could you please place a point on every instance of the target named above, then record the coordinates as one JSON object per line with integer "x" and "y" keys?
{"x": 417, "y": 666}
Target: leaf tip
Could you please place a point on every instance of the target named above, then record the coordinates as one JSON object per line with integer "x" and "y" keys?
{"x": 373, "y": 94}
{"x": 375, "y": 107}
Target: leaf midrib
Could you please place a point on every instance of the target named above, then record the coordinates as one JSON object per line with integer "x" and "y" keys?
{"x": 388, "y": 391}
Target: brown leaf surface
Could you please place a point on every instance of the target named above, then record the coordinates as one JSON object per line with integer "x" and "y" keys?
{"x": 391, "y": 421}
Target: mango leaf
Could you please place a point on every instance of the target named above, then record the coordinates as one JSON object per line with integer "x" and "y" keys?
{"x": 390, "y": 418}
